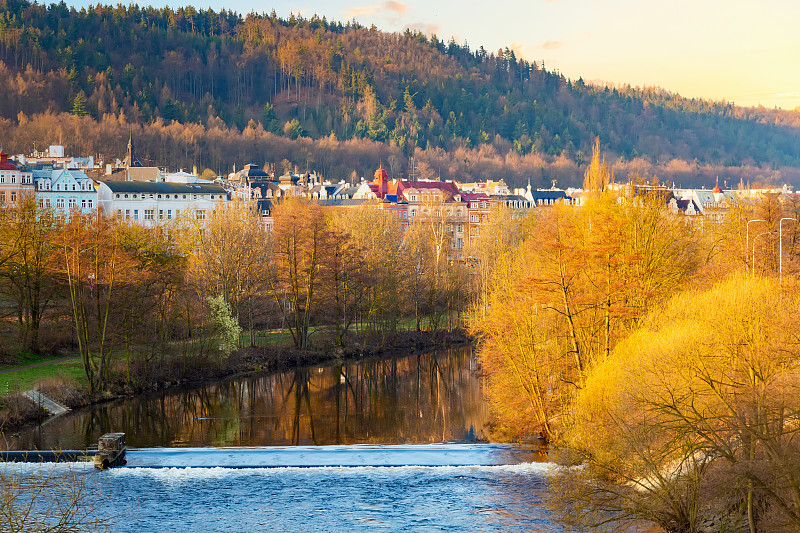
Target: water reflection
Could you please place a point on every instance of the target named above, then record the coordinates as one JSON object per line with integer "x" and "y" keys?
{"x": 414, "y": 399}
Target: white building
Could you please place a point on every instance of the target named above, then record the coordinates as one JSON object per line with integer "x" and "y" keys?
{"x": 152, "y": 202}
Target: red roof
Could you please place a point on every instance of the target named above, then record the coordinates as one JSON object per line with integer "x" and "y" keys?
{"x": 445, "y": 186}
{"x": 5, "y": 164}
{"x": 474, "y": 196}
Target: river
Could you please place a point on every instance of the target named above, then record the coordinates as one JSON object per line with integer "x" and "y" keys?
{"x": 393, "y": 444}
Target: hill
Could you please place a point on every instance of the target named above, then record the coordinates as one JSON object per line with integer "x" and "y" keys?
{"x": 214, "y": 89}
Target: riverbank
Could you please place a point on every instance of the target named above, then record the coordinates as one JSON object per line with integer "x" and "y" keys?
{"x": 173, "y": 372}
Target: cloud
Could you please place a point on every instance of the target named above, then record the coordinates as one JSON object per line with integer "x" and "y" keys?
{"x": 427, "y": 29}
{"x": 551, "y": 45}
{"x": 388, "y": 7}
{"x": 516, "y": 48}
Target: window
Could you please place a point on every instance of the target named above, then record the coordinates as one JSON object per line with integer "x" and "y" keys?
{"x": 148, "y": 214}
{"x": 177, "y": 212}
{"x": 118, "y": 196}
{"x": 73, "y": 186}
{"x": 13, "y": 196}
{"x": 89, "y": 201}
{"x": 169, "y": 214}
{"x": 41, "y": 202}
{"x": 460, "y": 228}
{"x": 160, "y": 214}
{"x": 459, "y": 243}
{"x": 83, "y": 203}
{"x": 413, "y": 212}
{"x": 458, "y": 212}
{"x": 2, "y": 197}
{"x": 13, "y": 178}
{"x": 119, "y": 213}
{"x": 212, "y": 196}
{"x": 201, "y": 215}
{"x": 473, "y": 218}
{"x": 60, "y": 203}
{"x": 134, "y": 197}
{"x": 126, "y": 196}
{"x": 47, "y": 203}
{"x": 73, "y": 202}
{"x": 127, "y": 214}
{"x": 135, "y": 214}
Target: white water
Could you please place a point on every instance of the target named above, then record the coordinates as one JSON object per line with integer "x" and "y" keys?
{"x": 294, "y": 493}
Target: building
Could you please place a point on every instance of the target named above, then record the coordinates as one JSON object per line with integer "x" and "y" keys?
{"x": 14, "y": 182}
{"x": 65, "y": 190}
{"x": 54, "y": 157}
{"x": 150, "y": 203}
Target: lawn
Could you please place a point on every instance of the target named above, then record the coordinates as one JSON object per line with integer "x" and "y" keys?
{"x": 22, "y": 380}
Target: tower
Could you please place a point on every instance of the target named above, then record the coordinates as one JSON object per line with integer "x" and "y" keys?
{"x": 130, "y": 157}
{"x": 382, "y": 181}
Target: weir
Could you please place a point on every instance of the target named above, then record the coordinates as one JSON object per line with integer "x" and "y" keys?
{"x": 423, "y": 455}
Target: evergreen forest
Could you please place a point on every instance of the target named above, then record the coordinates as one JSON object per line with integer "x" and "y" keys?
{"x": 218, "y": 89}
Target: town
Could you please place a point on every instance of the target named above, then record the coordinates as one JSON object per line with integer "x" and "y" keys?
{"x": 150, "y": 195}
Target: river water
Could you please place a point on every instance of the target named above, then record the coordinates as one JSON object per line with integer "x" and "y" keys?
{"x": 381, "y": 445}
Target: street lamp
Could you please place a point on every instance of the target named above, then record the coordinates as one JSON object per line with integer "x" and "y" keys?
{"x": 747, "y": 246}
{"x": 754, "y": 250}
{"x": 780, "y": 247}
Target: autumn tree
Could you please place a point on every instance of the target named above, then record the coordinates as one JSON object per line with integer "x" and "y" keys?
{"x": 297, "y": 251}
{"x": 692, "y": 415}
{"x": 588, "y": 274}
{"x": 93, "y": 263}
{"x": 377, "y": 235}
{"x": 29, "y": 234}
{"x": 345, "y": 281}
{"x": 228, "y": 258}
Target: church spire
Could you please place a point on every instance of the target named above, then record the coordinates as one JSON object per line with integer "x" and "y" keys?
{"x": 130, "y": 157}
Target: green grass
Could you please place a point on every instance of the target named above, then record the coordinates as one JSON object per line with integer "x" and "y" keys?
{"x": 27, "y": 358}
{"x": 23, "y": 380}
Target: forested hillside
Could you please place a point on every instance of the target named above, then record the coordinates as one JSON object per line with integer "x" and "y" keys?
{"x": 215, "y": 89}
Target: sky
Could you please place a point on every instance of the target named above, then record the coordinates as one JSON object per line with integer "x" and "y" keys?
{"x": 745, "y": 52}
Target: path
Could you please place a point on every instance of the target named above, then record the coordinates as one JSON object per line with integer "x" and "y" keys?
{"x": 43, "y": 363}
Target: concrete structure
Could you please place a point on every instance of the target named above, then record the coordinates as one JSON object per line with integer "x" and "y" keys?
{"x": 150, "y": 203}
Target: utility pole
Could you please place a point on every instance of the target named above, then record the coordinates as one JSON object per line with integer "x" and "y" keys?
{"x": 747, "y": 246}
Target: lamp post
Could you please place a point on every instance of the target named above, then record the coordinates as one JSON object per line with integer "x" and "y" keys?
{"x": 780, "y": 248}
{"x": 754, "y": 250}
{"x": 747, "y": 246}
